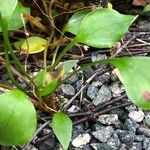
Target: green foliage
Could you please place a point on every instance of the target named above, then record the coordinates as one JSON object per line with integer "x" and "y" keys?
{"x": 62, "y": 127}
{"x": 16, "y": 21}
{"x": 7, "y": 7}
{"x": 17, "y": 118}
{"x": 103, "y": 28}
{"x": 74, "y": 22}
{"x": 31, "y": 45}
{"x": 135, "y": 76}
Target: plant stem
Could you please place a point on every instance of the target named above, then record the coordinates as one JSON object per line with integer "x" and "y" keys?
{"x": 83, "y": 67}
{"x": 4, "y": 26}
{"x": 67, "y": 48}
{"x": 45, "y": 51}
{"x": 9, "y": 48}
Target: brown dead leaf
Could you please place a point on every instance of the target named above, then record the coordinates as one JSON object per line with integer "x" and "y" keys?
{"x": 140, "y": 2}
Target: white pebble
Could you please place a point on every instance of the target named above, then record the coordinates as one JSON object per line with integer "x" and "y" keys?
{"x": 81, "y": 140}
{"x": 137, "y": 116}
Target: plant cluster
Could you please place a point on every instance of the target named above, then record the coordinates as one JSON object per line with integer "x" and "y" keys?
{"x": 100, "y": 28}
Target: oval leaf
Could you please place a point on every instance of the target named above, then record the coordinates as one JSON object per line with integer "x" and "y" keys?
{"x": 74, "y": 22}
{"x": 33, "y": 45}
{"x": 17, "y": 118}
{"x": 68, "y": 65}
{"x": 62, "y": 127}
{"x": 103, "y": 28}
{"x": 6, "y": 8}
{"x": 135, "y": 75}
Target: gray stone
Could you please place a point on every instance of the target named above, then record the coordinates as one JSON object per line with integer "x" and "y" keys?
{"x": 81, "y": 140}
{"x": 97, "y": 57}
{"x": 123, "y": 147}
{"x": 126, "y": 136}
{"x": 135, "y": 146}
{"x": 114, "y": 141}
{"x": 78, "y": 85}
{"x": 139, "y": 138}
{"x": 131, "y": 108}
{"x": 146, "y": 144}
{"x": 73, "y": 79}
{"x": 104, "y": 78}
{"x": 147, "y": 119}
{"x": 101, "y": 146}
{"x": 97, "y": 84}
{"x": 92, "y": 92}
{"x": 137, "y": 116}
{"x": 130, "y": 125}
{"x": 144, "y": 130}
{"x": 31, "y": 147}
{"x": 103, "y": 95}
{"x": 103, "y": 133}
{"x": 67, "y": 89}
{"x": 48, "y": 144}
{"x": 108, "y": 119}
{"x": 116, "y": 89}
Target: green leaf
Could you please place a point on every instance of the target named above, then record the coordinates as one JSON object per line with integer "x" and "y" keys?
{"x": 147, "y": 8}
{"x": 68, "y": 65}
{"x": 16, "y": 20}
{"x": 33, "y": 45}
{"x": 17, "y": 118}
{"x": 74, "y": 22}
{"x": 6, "y": 8}
{"x": 40, "y": 78}
{"x": 135, "y": 75}
{"x": 62, "y": 127}
{"x": 103, "y": 28}
{"x": 48, "y": 89}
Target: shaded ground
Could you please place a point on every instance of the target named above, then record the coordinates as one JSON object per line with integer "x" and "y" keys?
{"x": 95, "y": 99}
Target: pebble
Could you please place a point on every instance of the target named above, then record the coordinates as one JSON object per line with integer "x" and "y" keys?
{"x": 67, "y": 89}
{"x": 92, "y": 92}
{"x": 147, "y": 119}
{"x": 108, "y": 119}
{"x": 139, "y": 138}
{"x": 137, "y": 116}
{"x": 130, "y": 125}
{"x": 73, "y": 109}
{"x": 81, "y": 140}
{"x": 114, "y": 141}
{"x": 144, "y": 130}
{"x": 126, "y": 136}
{"x": 103, "y": 95}
{"x": 117, "y": 89}
{"x": 104, "y": 133}
{"x": 101, "y": 146}
{"x": 104, "y": 78}
{"x": 146, "y": 144}
{"x": 135, "y": 146}
{"x": 97, "y": 84}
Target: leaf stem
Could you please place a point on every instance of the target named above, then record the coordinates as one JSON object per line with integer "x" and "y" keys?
{"x": 67, "y": 48}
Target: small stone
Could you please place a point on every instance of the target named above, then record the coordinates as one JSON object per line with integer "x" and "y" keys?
{"x": 137, "y": 116}
{"x": 104, "y": 78}
{"x": 68, "y": 89}
{"x": 135, "y": 146}
{"x": 109, "y": 119}
{"x": 78, "y": 85}
{"x": 103, "y": 133}
{"x": 114, "y": 141}
{"x": 97, "y": 84}
{"x": 92, "y": 92}
{"x": 73, "y": 79}
{"x": 123, "y": 147}
{"x": 147, "y": 119}
{"x": 139, "y": 138}
{"x": 146, "y": 144}
{"x": 130, "y": 125}
{"x": 97, "y": 57}
{"x": 49, "y": 143}
{"x": 73, "y": 109}
{"x": 81, "y": 140}
{"x": 126, "y": 136}
{"x": 103, "y": 95}
{"x": 101, "y": 146}
{"x": 31, "y": 147}
{"x": 144, "y": 130}
{"x": 117, "y": 89}
{"x": 131, "y": 108}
